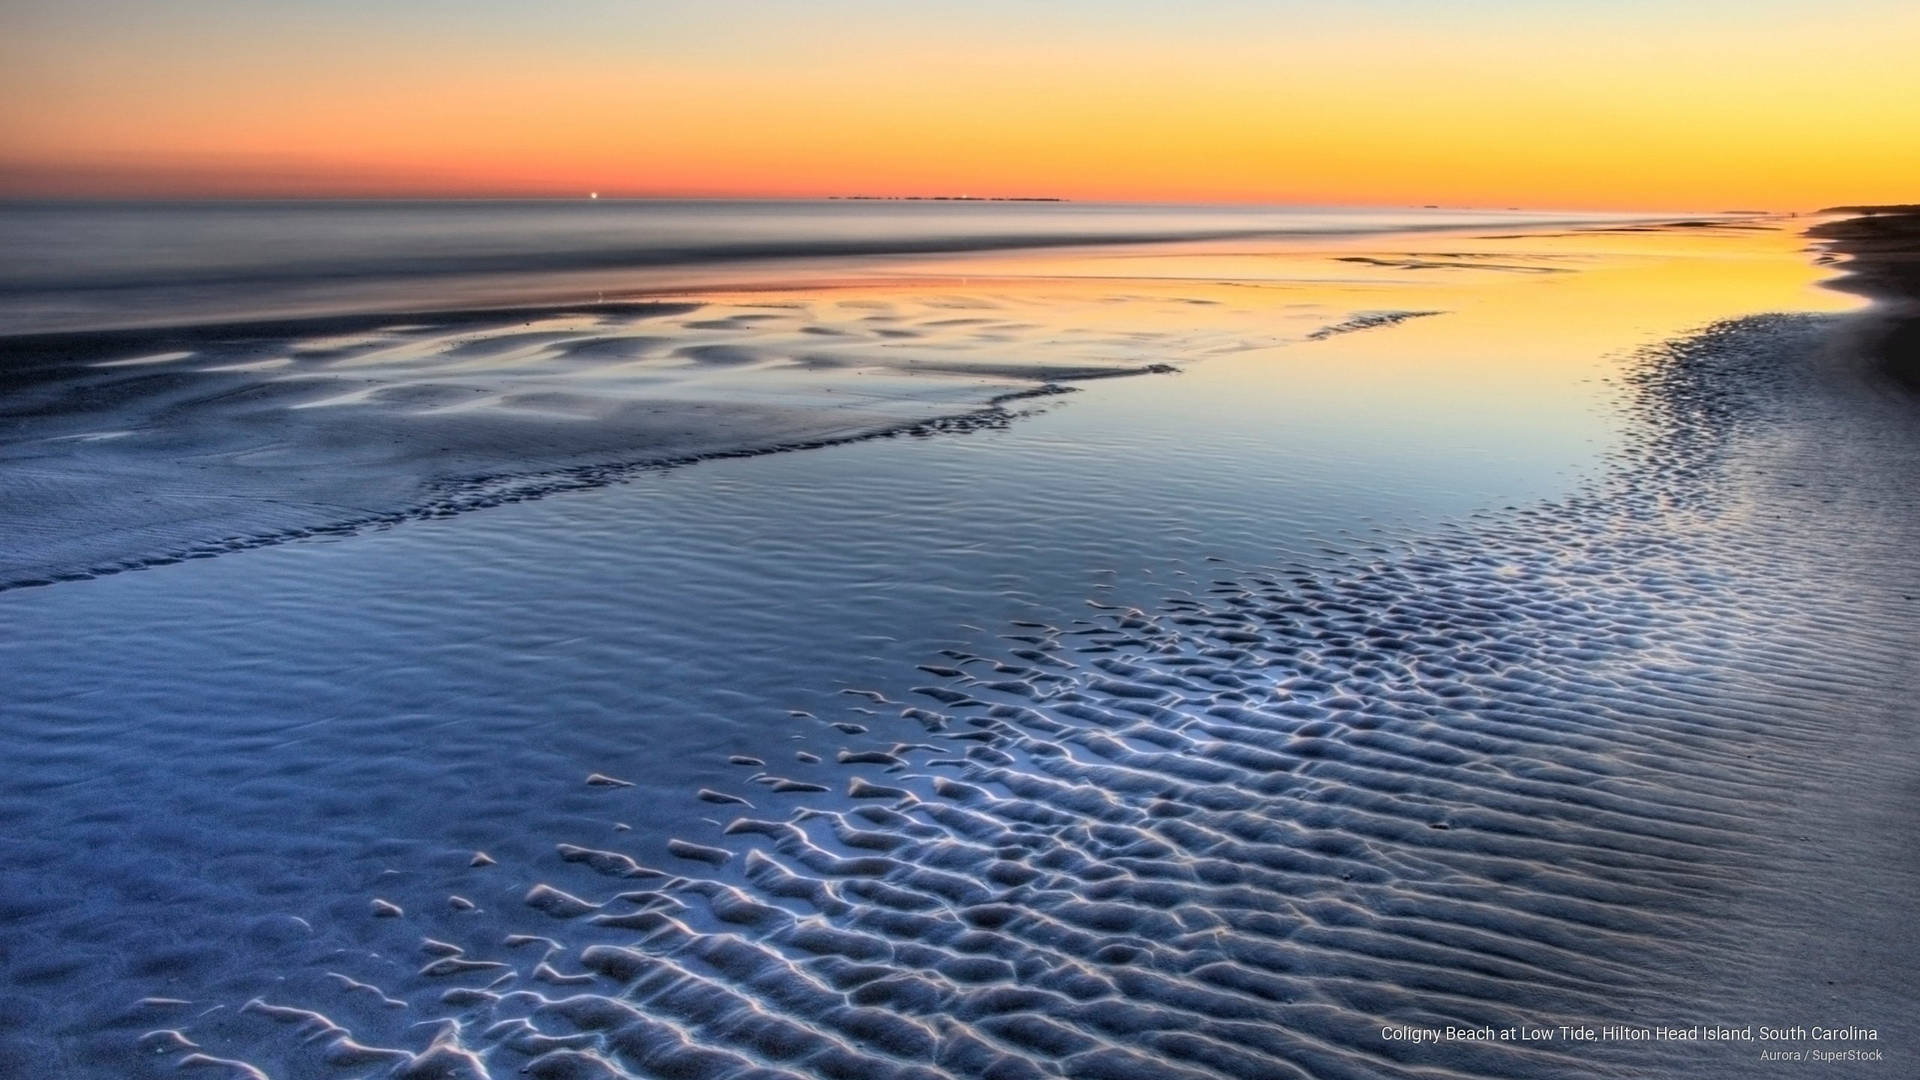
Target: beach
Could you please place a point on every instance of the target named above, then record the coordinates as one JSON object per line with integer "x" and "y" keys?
{"x": 1106, "y": 644}
{"x": 1879, "y": 245}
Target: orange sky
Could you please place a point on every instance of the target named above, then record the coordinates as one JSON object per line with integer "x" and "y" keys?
{"x": 1632, "y": 104}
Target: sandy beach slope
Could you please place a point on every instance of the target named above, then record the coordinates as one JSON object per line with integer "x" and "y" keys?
{"x": 1881, "y": 247}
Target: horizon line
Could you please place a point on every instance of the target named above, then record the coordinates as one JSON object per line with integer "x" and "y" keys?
{"x": 591, "y": 196}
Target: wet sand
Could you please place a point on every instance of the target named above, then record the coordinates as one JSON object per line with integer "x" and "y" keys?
{"x": 1881, "y": 249}
{"x": 1109, "y": 743}
{"x": 127, "y": 450}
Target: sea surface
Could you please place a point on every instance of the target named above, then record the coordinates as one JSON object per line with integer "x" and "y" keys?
{"x": 82, "y": 265}
{"x": 903, "y": 639}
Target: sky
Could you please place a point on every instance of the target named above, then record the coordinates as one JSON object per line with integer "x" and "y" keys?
{"x": 1625, "y": 104}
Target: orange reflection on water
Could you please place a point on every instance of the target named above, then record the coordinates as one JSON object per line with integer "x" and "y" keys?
{"x": 1511, "y": 356}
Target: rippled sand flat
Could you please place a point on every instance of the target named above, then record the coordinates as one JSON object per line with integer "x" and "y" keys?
{"x": 1203, "y": 726}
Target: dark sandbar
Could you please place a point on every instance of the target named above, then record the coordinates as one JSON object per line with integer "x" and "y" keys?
{"x": 1882, "y": 249}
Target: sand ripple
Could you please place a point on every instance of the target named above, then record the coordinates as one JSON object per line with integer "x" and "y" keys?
{"x": 1527, "y": 768}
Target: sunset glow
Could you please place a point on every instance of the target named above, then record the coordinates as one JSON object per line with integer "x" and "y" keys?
{"x": 1767, "y": 105}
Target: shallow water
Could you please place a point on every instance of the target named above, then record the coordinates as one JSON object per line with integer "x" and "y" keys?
{"x": 134, "y": 447}
{"x": 1447, "y": 650}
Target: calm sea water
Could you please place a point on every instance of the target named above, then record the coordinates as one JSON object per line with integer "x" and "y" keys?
{"x": 78, "y": 265}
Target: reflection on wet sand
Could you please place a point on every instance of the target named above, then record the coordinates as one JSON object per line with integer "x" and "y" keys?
{"x": 1133, "y": 738}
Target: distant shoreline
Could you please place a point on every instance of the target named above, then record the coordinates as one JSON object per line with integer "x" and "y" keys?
{"x": 948, "y": 198}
